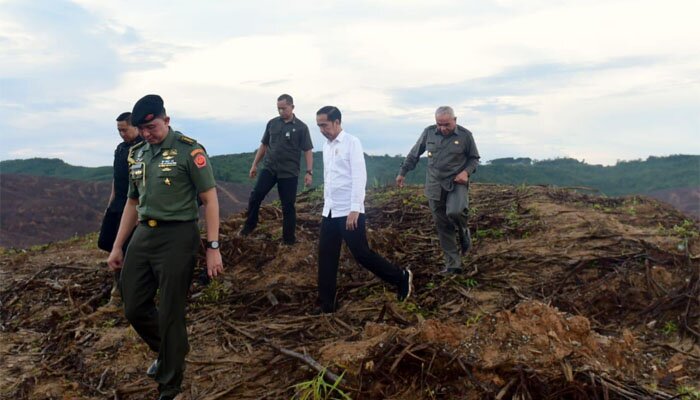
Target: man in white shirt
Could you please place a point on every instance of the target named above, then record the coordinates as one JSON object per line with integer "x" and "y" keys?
{"x": 344, "y": 180}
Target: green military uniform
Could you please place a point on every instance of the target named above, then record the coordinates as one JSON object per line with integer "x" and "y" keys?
{"x": 166, "y": 179}
{"x": 448, "y": 155}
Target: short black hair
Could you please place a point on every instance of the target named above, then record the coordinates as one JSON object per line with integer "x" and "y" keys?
{"x": 125, "y": 116}
{"x": 332, "y": 113}
{"x": 286, "y": 98}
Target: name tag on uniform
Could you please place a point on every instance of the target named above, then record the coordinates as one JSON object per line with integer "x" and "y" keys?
{"x": 430, "y": 154}
{"x": 167, "y": 164}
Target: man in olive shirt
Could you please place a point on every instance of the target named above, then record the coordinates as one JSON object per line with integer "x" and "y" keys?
{"x": 167, "y": 173}
{"x": 284, "y": 139}
{"x": 117, "y": 197}
{"x": 452, "y": 159}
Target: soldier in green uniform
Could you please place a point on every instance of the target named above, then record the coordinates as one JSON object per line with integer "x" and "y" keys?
{"x": 452, "y": 159}
{"x": 168, "y": 172}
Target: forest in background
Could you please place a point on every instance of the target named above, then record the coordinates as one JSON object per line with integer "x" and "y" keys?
{"x": 625, "y": 177}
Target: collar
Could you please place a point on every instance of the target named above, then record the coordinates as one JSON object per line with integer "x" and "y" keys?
{"x": 138, "y": 140}
{"x": 454, "y": 132}
{"x": 338, "y": 138}
{"x": 169, "y": 140}
{"x": 167, "y": 143}
{"x": 293, "y": 121}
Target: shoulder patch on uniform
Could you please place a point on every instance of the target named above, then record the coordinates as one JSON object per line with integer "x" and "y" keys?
{"x": 200, "y": 160}
{"x": 187, "y": 139}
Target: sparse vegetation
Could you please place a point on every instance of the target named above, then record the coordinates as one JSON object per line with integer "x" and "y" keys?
{"x": 318, "y": 389}
{"x": 669, "y": 328}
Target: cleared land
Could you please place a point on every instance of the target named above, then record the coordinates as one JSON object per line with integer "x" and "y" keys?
{"x": 566, "y": 296}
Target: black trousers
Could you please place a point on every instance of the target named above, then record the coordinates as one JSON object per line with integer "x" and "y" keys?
{"x": 333, "y": 233}
{"x": 287, "y": 190}
{"x": 160, "y": 261}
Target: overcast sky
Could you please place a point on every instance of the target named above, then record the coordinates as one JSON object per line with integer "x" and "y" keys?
{"x": 598, "y": 81}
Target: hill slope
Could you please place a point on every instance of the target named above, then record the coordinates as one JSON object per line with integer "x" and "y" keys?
{"x": 37, "y": 210}
{"x": 569, "y": 296}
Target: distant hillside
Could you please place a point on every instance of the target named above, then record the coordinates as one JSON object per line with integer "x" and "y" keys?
{"x": 38, "y": 209}
{"x": 625, "y": 177}
{"x": 56, "y": 168}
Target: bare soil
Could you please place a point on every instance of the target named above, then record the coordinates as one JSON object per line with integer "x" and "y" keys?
{"x": 565, "y": 295}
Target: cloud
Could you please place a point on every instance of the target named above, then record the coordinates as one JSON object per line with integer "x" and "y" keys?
{"x": 540, "y": 79}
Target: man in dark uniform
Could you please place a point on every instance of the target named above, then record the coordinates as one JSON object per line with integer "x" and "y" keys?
{"x": 285, "y": 138}
{"x": 167, "y": 173}
{"x": 117, "y": 197}
{"x": 345, "y": 178}
{"x": 452, "y": 159}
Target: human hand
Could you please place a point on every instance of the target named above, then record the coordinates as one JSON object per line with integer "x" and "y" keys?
{"x": 253, "y": 172}
{"x": 351, "y": 221}
{"x": 214, "y": 264}
{"x": 462, "y": 178}
{"x": 400, "y": 180}
{"x": 308, "y": 179}
{"x": 116, "y": 258}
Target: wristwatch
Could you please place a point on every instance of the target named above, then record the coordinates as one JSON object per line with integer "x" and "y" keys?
{"x": 213, "y": 245}
{"x": 310, "y": 172}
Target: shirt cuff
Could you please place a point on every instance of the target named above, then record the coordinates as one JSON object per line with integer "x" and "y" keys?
{"x": 355, "y": 207}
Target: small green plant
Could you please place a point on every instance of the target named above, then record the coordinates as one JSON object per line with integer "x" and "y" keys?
{"x": 599, "y": 207}
{"x": 490, "y": 232}
{"x": 669, "y": 328}
{"x": 473, "y": 320}
{"x": 686, "y": 231}
{"x": 430, "y": 285}
{"x": 688, "y": 393}
{"x": 213, "y": 292}
{"x": 467, "y": 282}
{"x": 512, "y": 217}
{"x": 110, "y": 323}
{"x": 318, "y": 389}
{"x": 414, "y": 308}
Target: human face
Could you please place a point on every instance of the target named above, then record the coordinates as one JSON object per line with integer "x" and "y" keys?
{"x": 446, "y": 124}
{"x": 286, "y": 110}
{"x": 127, "y": 132}
{"x": 154, "y": 132}
{"x": 329, "y": 129}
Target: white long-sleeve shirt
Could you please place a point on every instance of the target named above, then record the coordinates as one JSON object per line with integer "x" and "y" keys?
{"x": 344, "y": 176}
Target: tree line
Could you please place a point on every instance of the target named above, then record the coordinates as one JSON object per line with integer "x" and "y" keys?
{"x": 625, "y": 177}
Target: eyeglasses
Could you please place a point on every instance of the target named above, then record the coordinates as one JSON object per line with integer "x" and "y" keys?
{"x": 446, "y": 125}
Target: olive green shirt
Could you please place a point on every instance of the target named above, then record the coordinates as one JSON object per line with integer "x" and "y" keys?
{"x": 447, "y": 156}
{"x": 167, "y": 178}
{"x": 285, "y": 141}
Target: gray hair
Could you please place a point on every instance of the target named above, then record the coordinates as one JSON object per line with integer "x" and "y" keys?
{"x": 442, "y": 110}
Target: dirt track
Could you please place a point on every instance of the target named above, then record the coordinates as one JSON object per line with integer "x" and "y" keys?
{"x": 566, "y": 296}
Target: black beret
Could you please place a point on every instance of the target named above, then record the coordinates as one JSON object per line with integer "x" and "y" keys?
{"x": 146, "y": 109}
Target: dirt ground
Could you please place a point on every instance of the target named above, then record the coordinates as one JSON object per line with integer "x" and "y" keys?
{"x": 565, "y": 295}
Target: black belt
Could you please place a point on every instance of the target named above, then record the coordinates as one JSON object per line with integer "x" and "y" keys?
{"x": 153, "y": 223}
